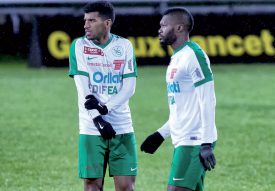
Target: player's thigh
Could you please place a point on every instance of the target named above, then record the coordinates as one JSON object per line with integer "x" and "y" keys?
{"x": 124, "y": 183}
{"x": 92, "y": 156}
{"x": 186, "y": 168}
{"x": 93, "y": 184}
{"x": 123, "y": 155}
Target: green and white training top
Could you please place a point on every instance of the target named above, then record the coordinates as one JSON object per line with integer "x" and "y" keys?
{"x": 105, "y": 68}
{"x": 191, "y": 97}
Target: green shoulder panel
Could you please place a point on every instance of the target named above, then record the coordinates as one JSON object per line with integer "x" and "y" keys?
{"x": 203, "y": 63}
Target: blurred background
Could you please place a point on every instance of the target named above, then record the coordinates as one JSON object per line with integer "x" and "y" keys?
{"x": 230, "y": 31}
{"x": 38, "y": 101}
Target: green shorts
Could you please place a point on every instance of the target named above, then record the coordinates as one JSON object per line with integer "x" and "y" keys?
{"x": 186, "y": 168}
{"x": 95, "y": 154}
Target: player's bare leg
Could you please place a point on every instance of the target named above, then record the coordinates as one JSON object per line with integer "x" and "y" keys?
{"x": 176, "y": 188}
{"x": 124, "y": 183}
{"x": 93, "y": 184}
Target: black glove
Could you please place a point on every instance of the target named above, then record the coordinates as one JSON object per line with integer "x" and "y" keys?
{"x": 93, "y": 103}
{"x": 105, "y": 128}
{"x": 207, "y": 157}
{"x": 152, "y": 143}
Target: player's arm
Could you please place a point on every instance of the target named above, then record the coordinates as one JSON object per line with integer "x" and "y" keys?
{"x": 127, "y": 90}
{"x": 204, "y": 88}
{"x": 82, "y": 86}
{"x": 129, "y": 80}
{"x": 207, "y": 103}
{"x": 153, "y": 141}
{"x": 164, "y": 131}
{"x": 79, "y": 72}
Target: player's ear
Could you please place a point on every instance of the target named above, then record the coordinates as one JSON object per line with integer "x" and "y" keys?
{"x": 108, "y": 22}
{"x": 180, "y": 28}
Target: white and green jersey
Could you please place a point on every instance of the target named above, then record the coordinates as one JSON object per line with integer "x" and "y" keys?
{"x": 191, "y": 97}
{"x": 105, "y": 68}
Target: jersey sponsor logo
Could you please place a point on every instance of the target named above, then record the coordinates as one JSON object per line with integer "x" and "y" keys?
{"x": 103, "y": 89}
{"x": 110, "y": 78}
{"x": 118, "y": 64}
{"x": 171, "y": 100}
{"x": 103, "y": 83}
{"x": 99, "y": 64}
{"x": 94, "y": 64}
{"x": 107, "y": 65}
{"x": 90, "y": 58}
{"x": 173, "y": 87}
{"x": 117, "y": 51}
{"x": 173, "y": 72}
{"x": 93, "y": 51}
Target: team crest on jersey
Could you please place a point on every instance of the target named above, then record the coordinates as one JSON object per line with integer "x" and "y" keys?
{"x": 117, "y": 51}
{"x": 93, "y": 51}
{"x": 173, "y": 72}
{"x": 118, "y": 64}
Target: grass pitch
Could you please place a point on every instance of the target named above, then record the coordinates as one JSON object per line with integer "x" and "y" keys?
{"x": 39, "y": 129}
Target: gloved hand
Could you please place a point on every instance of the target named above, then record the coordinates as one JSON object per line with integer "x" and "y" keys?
{"x": 207, "y": 157}
{"x": 152, "y": 143}
{"x": 93, "y": 103}
{"x": 105, "y": 128}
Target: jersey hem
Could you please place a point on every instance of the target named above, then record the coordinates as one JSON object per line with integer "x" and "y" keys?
{"x": 191, "y": 143}
{"x": 118, "y": 132}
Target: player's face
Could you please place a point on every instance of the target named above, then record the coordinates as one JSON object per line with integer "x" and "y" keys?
{"x": 95, "y": 26}
{"x": 166, "y": 32}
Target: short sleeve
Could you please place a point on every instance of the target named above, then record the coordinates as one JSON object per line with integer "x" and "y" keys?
{"x": 130, "y": 67}
{"x": 76, "y": 60}
{"x": 199, "y": 66}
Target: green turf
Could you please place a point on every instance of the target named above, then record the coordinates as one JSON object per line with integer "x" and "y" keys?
{"x": 39, "y": 129}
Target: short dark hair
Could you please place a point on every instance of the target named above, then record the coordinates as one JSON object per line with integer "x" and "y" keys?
{"x": 104, "y": 8}
{"x": 189, "y": 22}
